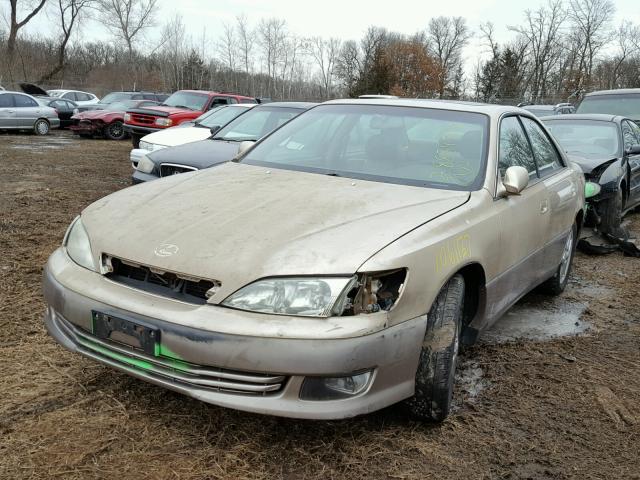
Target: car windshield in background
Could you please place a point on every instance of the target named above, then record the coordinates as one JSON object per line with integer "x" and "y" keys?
{"x": 539, "y": 112}
{"x": 191, "y": 100}
{"x": 220, "y": 116}
{"x": 55, "y": 93}
{"x": 115, "y": 97}
{"x": 413, "y": 146}
{"x": 122, "y": 106}
{"x": 586, "y": 138}
{"x": 625, "y": 105}
{"x": 256, "y": 123}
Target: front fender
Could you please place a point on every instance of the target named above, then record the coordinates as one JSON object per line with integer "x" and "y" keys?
{"x": 611, "y": 178}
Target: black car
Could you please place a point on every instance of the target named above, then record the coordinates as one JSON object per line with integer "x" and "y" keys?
{"x": 624, "y": 102}
{"x": 65, "y": 108}
{"x": 607, "y": 148}
{"x": 222, "y": 146}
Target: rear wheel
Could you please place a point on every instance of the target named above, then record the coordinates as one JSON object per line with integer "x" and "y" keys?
{"x": 437, "y": 366}
{"x": 556, "y": 284}
{"x": 41, "y": 127}
{"x": 115, "y": 131}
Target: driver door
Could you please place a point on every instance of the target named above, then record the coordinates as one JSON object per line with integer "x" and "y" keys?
{"x": 523, "y": 222}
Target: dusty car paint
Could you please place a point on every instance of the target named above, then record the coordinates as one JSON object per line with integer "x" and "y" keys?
{"x": 506, "y": 244}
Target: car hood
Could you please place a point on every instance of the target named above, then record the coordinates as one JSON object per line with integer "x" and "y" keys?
{"x": 589, "y": 164}
{"x": 237, "y": 223}
{"x": 202, "y": 154}
{"x": 31, "y": 89}
{"x": 166, "y": 110}
{"x": 96, "y": 114}
{"x": 177, "y": 136}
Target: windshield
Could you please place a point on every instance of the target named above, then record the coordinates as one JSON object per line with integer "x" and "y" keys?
{"x": 122, "y": 106}
{"x": 256, "y": 123}
{"x": 115, "y": 97}
{"x": 627, "y": 105}
{"x": 412, "y": 146}
{"x": 190, "y": 100}
{"x": 55, "y": 93}
{"x": 220, "y": 116}
{"x": 540, "y": 112}
{"x": 587, "y": 138}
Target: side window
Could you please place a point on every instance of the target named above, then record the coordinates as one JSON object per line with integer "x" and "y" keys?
{"x": 514, "y": 148}
{"x": 149, "y": 96}
{"x": 232, "y": 100}
{"x": 70, "y": 96}
{"x": 219, "y": 101}
{"x": 629, "y": 135}
{"x": 6, "y": 100}
{"x": 24, "y": 101}
{"x": 547, "y": 157}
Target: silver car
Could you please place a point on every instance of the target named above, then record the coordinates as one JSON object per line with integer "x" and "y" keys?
{"x": 19, "y": 111}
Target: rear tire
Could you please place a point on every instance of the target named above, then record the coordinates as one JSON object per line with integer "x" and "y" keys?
{"x": 435, "y": 375}
{"x": 115, "y": 131}
{"x": 556, "y": 284}
{"x": 41, "y": 127}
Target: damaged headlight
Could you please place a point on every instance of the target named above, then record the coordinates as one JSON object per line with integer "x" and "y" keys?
{"x": 302, "y": 296}
{"x": 78, "y": 246}
{"x": 145, "y": 165}
{"x": 591, "y": 189}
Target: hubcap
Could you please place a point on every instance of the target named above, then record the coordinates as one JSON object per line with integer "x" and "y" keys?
{"x": 42, "y": 128}
{"x": 116, "y": 130}
{"x": 566, "y": 257}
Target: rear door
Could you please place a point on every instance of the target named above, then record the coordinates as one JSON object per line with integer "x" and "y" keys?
{"x": 7, "y": 111}
{"x": 27, "y": 110}
{"x": 561, "y": 187}
{"x": 523, "y": 220}
{"x": 631, "y": 137}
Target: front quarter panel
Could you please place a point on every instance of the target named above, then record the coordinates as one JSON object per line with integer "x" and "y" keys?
{"x": 434, "y": 252}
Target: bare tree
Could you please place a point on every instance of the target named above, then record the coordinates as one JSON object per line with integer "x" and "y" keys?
{"x": 126, "y": 19}
{"x": 228, "y": 49}
{"x": 325, "y": 54}
{"x": 447, "y": 37}
{"x": 69, "y": 11}
{"x": 271, "y": 36}
{"x": 15, "y": 25}
{"x": 245, "y": 47}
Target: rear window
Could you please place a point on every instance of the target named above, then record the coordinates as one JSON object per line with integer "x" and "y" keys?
{"x": 115, "y": 97}
{"x": 626, "y": 105}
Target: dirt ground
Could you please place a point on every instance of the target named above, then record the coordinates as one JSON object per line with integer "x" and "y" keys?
{"x": 555, "y": 409}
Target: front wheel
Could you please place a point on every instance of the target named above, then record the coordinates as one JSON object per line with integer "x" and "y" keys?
{"x": 437, "y": 366}
{"x": 115, "y": 131}
{"x": 41, "y": 127}
{"x": 556, "y": 284}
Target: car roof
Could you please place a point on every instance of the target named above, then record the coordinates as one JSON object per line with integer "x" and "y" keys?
{"x": 301, "y": 105}
{"x": 602, "y": 117}
{"x": 455, "y": 105}
{"x": 620, "y": 91}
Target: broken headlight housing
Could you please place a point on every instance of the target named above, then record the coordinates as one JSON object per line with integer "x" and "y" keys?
{"x": 321, "y": 296}
{"x": 145, "y": 165}
{"x": 76, "y": 242}
{"x": 301, "y": 296}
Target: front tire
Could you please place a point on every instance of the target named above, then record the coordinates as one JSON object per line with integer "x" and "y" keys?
{"x": 41, "y": 127}
{"x": 115, "y": 131}
{"x": 437, "y": 366}
{"x": 556, "y": 284}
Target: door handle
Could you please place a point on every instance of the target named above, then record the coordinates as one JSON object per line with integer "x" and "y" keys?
{"x": 544, "y": 206}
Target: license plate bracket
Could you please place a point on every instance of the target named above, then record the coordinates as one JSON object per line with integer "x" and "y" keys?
{"x": 132, "y": 333}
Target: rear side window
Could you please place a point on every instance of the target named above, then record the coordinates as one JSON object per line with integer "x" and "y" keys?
{"x": 514, "y": 148}
{"x": 544, "y": 152}
{"x": 629, "y": 135}
{"x": 70, "y": 96}
{"x": 6, "y": 100}
{"x": 83, "y": 97}
{"x": 24, "y": 101}
{"x": 248, "y": 100}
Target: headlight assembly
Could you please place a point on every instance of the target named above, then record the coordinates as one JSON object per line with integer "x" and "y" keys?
{"x": 145, "y": 165}
{"x": 78, "y": 246}
{"x": 300, "y": 296}
{"x": 164, "y": 122}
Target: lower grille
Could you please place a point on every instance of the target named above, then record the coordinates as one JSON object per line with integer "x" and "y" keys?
{"x": 168, "y": 169}
{"x": 167, "y": 284}
{"x": 177, "y": 371}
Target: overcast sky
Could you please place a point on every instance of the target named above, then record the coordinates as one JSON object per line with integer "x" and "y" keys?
{"x": 348, "y": 19}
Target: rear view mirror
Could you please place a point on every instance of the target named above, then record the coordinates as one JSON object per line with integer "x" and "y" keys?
{"x": 214, "y": 129}
{"x": 243, "y": 147}
{"x": 515, "y": 180}
{"x": 633, "y": 150}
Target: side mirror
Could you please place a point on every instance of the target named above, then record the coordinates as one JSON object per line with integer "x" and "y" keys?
{"x": 633, "y": 150}
{"x": 515, "y": 180}
{"x": 243, "y": 147}
{"x": 214, "y": 129}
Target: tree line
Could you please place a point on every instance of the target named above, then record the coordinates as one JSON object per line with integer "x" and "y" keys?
{"x": 559, "y": 51}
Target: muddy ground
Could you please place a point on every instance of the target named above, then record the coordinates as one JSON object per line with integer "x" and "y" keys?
{"x": 539, "y": 409}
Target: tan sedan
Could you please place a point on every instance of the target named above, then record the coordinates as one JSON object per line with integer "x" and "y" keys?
{"x": 333, "y": 268}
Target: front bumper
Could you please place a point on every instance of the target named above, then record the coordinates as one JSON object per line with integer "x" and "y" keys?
{"x": 87, "y": 128}
{"x": 391, "y": 353}
{"x": 136, "y": 154}
{"x": 140, "y": 131}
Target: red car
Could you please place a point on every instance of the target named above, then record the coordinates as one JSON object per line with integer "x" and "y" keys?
{"x": 109, "y": 122}
{"x": 182, "y": 106}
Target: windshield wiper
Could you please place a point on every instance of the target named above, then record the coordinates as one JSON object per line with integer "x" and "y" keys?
{"x": 333, "y": 174}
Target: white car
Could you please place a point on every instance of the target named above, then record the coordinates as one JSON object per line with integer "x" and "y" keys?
{"x": 81, "y": 98}
{"x": 200, "y": 129}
